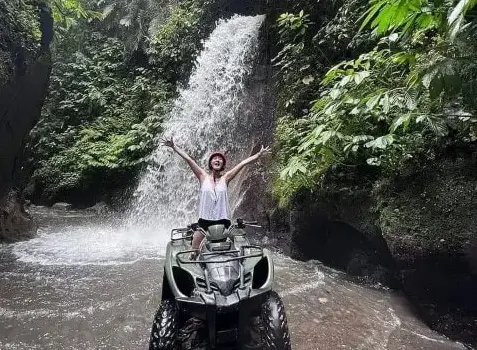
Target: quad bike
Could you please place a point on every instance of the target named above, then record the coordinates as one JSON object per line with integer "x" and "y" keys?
{"x": 226, "y": 285}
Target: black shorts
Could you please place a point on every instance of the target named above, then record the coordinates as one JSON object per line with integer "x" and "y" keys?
{"x": 206, "y": 223}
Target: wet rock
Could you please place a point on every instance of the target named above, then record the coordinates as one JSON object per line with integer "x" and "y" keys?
{"x": 99, "y": 208}
{"x": 432, "y": 239}
{"x": 18, "y": 116}
{"x": 21, "y": 99}
{"x": 471, "y": 255}
{"x": 15, "y": 223}
{"x": 418, "y": 230}
{"x": 315, "y": 235}
{"x": 62, "y": 206}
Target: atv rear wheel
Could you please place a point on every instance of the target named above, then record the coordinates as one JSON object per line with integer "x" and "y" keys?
{"x": 275, "y": 335}
{"x": 165, "y": 326}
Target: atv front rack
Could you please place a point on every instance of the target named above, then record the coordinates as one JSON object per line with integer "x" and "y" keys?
{"x": 242, "y": 256}
{"x": 179, "y": 234}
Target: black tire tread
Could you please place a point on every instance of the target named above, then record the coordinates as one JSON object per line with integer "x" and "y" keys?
{"x": 275, "y": 326}
{"x": 165, "y": 327}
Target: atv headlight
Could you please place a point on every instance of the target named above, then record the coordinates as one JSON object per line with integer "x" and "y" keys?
{"x": 260, "y": 273}
{"x": 183, "y": 280}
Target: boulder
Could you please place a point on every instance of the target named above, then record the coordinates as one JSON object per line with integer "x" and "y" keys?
{"x": 417, "y": 231}
{"x": 62, "y": 206}
{"x": 15, "y": 223}
{"x": 100, "y": 208}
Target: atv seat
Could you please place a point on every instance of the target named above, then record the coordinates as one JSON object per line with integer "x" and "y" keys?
{"x": 216, "y": 233}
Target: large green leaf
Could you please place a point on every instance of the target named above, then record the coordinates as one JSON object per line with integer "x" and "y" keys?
{"x": 402, "y": 120}
{"x": 381, "y": 142}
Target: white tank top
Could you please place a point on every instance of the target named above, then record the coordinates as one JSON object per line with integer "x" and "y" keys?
{"x": 213, "y": 200}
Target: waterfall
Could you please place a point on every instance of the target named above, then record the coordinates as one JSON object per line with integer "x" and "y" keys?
{"x": 208, "y": 115}
{"x": 217, "y": 111}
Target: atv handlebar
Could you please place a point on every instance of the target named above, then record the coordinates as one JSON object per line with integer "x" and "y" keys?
{"x": 187, "y": 232}
{"x": 241, "y": 223}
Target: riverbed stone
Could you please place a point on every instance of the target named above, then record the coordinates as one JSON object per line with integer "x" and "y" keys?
{"x": 62, "y": 206}
{"x": 99, "y": 208}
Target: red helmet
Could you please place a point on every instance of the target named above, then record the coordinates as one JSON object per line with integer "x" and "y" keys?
{"x": 220, "y": 154}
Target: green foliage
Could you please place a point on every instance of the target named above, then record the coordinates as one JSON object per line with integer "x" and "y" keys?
{"x": 405, "y": 16}
{"x": 291, "y": 34}
{"x": 112, "y": 85}
{"x": 178, "y": 40}
{"x": 100, "y": 116}
{"x": 134, "y": 21}
{"x": 19, "y": 31}
{"x": 388, "y": 107}
{"x": 413, "y": 16}
{"x": 66, "y": 13}
{"x": 20, "y": 28}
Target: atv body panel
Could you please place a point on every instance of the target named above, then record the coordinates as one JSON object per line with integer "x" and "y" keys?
{"x": 224, "y": 287}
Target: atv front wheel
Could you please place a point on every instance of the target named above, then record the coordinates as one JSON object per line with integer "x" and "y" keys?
{"x": 165, "y": 327}
{"x": 274, "y": 331}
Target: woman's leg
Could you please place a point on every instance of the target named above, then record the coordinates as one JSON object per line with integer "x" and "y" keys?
{"x": 197, "y": 238}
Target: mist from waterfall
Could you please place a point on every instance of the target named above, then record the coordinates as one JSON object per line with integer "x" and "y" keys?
{"x": 208, "y": 116}
{"x": 215, "y": 112}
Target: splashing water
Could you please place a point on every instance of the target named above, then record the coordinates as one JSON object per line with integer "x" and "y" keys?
{"x": 104, "y": 308}
{"x": 209, "y": 115}
{"x": 85, "y": 239}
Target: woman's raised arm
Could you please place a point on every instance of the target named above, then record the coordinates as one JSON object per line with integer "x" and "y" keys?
{"x": 197, "y": 170}
{"x": 229, "y": 175}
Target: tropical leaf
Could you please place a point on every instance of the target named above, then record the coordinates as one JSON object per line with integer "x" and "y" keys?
{"x": 434, "y": 124}
{"x": 381, "y": 142}
{"x": 308, "y": 80}
{"x": 411, "y": 99}
{"x": 373, "y": 161}
{"x": 402, "y": 120}
{"x": 373, "y": 101}
{"x": 371, "y": 13}
{"x": 456, "y": 16}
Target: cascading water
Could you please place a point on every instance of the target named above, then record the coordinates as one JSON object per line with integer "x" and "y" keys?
{"x": 209, "y": 115}
{"x": 110, "y": 307}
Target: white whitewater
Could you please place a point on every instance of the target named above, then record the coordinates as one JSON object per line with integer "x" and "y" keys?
{"x": 208, "y": 115}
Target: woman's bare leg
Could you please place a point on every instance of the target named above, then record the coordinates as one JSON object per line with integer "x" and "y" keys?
{"x": 197, "y": 239}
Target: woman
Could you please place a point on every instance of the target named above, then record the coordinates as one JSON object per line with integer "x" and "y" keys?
{"x": 213, "y": 198}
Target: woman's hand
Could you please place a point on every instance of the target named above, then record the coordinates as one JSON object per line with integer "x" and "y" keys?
{"x": 229, "y": 175}
{"x": 198, "y": 171}
{"x": 168, "y": 142}
{"x": 264, "y": 151}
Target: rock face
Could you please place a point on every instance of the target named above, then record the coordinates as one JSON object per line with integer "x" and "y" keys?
{"x": 429, "y": 222}
{"x": 21, "y": 101}
{"x": 337, "y": 227}
{"x": 417, "y": 232}
{"x": 20, "y": 107}
{"x": 15, "y": 223}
